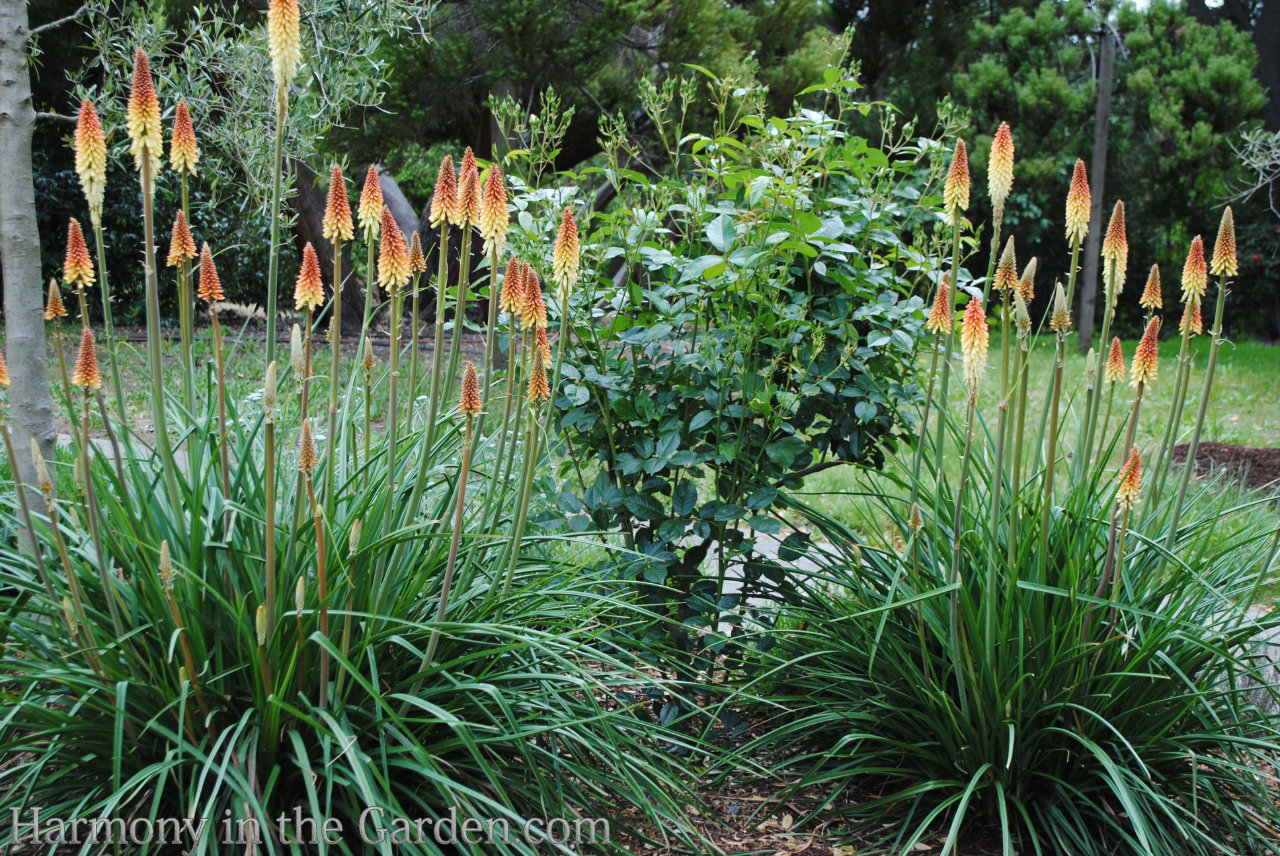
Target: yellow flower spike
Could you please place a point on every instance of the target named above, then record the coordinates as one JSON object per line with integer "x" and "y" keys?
{"x": 469, "y": 403}
{"x": 1130, "y": 480}
{"x": 1115, "y": 250}
{"x": 1000, "y": 169}
{"x": 337, "y": 224}
{"x": 1007, "y": 270}
{"x": 468, "y": 190}
{"x": 1060, "y": 320}
{"x": 444, "y": 201}
{"x": 1027, "y": 282}
{"x": 417, "y": 261}
{"x": 142, "y": 118}
{"x": 284, "y": 42}
{"x": 1078, "y": 201}
{"x": 91, "y": 158}
{"x": 1191, "y": 318}
{"x": 1115, "y": 363}
{"x": 184, "y": 151}
{"x": 306, "y": 449}
{"x": 566, "y": 253}
{"x": 77, "y": 268}
{"x": 4, "y": 371}
{"x": 1224, "y": 249}
{"x": 393, "y": 255}
{"x": 86, "y": 373}
{"x": 210, "y": 285}
{"x": 1146, "y": 357}
{"x": 369, "y": 209}
{"x": 974, "y": 341}
{"x": 260, "y": 625}
{"x": 269, "y": 391}
{"x": 1152, "y": 296}
{"x": 167, "y": 572}
{"x": 511, "y": 297}
{"x": 955, "y": 192}
{"x": 181, "y": 245}
{"x": 1022, "y": 317}
{"x": 308, "y": 291}
{"x": 539, "y": 389}
{"x": 494, "y": 219}
{"x": 1195, "y": 275}
{"x": 940, "y": 313}
{"x": 54, "y": 309}
{"x": 534, "y": 310}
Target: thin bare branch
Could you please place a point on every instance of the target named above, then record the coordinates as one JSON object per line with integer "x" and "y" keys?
{"x": 56, "y": 117}
{"x": 58, "y": 23}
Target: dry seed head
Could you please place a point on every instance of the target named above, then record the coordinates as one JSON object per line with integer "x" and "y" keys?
{"x": 167, "y": 573}
{"x": 86, "y": 373}
{"x": 260, "y": 625}
{"x": 539, "y": 389}
{"x": 308, "y": 291}
{"x": 184, "y": 151}
{"x": 1027, "y": 282}
{"x": 1078, "y": 202}
{"x": 914, "y": 521}
{"x": 955, "y": 193}
{"x": 369, "y": 209}
{"x": 337, "y": 225}
{"x": 142, "y": 119}
{"x": 1195, "y": 276}
{"x": 444, "y": 202}
{"x": 181, "y": 246}
{"x": 1000, "y": 169}
{"x": 1130, "y": 480}
{"x": 940, "y": 313}
{"x": 269, "y": 387}
{"x": 1021, "y": 316}
{"x": 1115, "y": 362}
{"x": 493, "y": 212}
{"x": 1060, "y": 320}
{"x": 284, "y": 42}
{"x": 393, "y": 255}
{"x": 91, "y": 158}
{"x": 77, "y": 268}
{"x": 511, "y": 297}
{"x": 1191, "y": 318}
{"x": 54, "y": 309}
{"x": 4, "y": 371}
{"x": 367, "y": 361}
{"x": 469, "y": 190}
{"x": 1145, "y": 358}
{"x": 210, "y": 285}
{"x": 974, "y": 341}
{"x": 307, "y": 449}
{"x": 566, "y": 253}
{"x": 1152, "y": 297}
{"x": 1115, "y": 253}
{"x": 43, "y": 480}
{"x": 1007, "y": 270}
{"x": 297, "y": 358}
{"x": 417, "y": 261}
{"x": 469, "y": 403}
{"x": 1224, "y": 250}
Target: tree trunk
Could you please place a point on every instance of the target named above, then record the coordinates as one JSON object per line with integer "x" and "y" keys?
{"x": 1098, "y": 178}
{"x": 32, "y": 406}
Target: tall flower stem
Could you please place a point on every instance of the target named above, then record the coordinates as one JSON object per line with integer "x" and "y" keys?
{"x": 437, "y": 368}
{"x": 951, "y": 342}
{"x": 513, "y": 367}
{"x": 459, "y": 508}
{"x": 1133, "y": 417}
{"x": 393, "y": 403}
{"x": 108, "y": 324}
{"x": 924, "y": 418}
{"x": 416, "y": 310}
{"x": 368, "y": 417}
{"x": 273, "y": 261}
{"x": 185, "y": 311}
{"x": 1094, "y": 399}
{"x": 490, "y": 338}
{"x": 1051, "y": 458}
{"x": 269, "y": 480}
{"x": 1015, "y": 477}
{"x": 1181, "y": 381}
{"x": 1106, "y": 418}
{"x": 155, "y": 364}
{"x": 561, "y": 338}
{"x": 317, "y": 515}
{"x": 335, "y": 352}
{"x": 957, "y": 521}
{"x": 522, "y": 509}
{"x": 95, "y": 532}
{"x": 62, "y": 367}
{"x": 1071, "y": 287}
{"x": 223, "y": 451}
{"x": 460, "y": 309}
{"x": 997, "y": 468}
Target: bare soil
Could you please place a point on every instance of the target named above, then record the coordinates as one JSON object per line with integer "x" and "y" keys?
{"x": 1255, "y": 468}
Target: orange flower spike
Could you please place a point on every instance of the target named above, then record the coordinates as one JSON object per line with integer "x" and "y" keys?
{"x": 337, "y": 209}
{"x": 142, "y": 118}
{"x": 468, "y": 191}
{"x": 1191, "y": 318}
{"x": 1078, "y": 201}
{"x": 1115, "y": 362}
{"x": 417, "y": 261}
{"x": 566, "y": 253}
{"x": 393, "y": 255}
{"x": 4, "y": 371}
{"x": 1130, "y": 480}
{"x": 181, "y": 245}
{"x": 210, "y": 285}
{"x": 306, "y": 449}
{"x": 1152, "y": 297}
{"x": 284, "y": 42}
{"x": 86, "y": 373}
{"x": 1224, "y": 249}
{"x": 469, "y": 403}
{"x": 77, "y": 269}
{"x": 369, "y": 209}
{"x": 494, "y": 219}
{"x": 939, "y": 320}
{"x": 54, "y": 309}
{"x": 184, "y": 152}
{"x": 974, "y": 342}
{"x": 1195, "y": 275}
{"x": 91, "y": 158}
{"x": 542, "y": 343}
{"x": 512, "y": 294}
{"x": 308, "y": 292}
{"x": 444, "y": 201}
{"x": 539, "y": 389}
{"x": 1000, "y": 169}
{"x": 1007, "y": 270}
{"x": 1115, "y": 250}
{"x": 1145, "y": 358}
{"x": 1027, "y": 282}
{"x": 534, "y": 310}
{"x": 955, "y": 192}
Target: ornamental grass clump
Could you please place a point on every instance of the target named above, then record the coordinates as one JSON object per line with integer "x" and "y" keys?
{"x": 1049, "y": 652}
{"x": 335, "y": 612}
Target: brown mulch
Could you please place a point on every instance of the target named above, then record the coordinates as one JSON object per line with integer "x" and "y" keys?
{"x": 1256, "y": 468}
